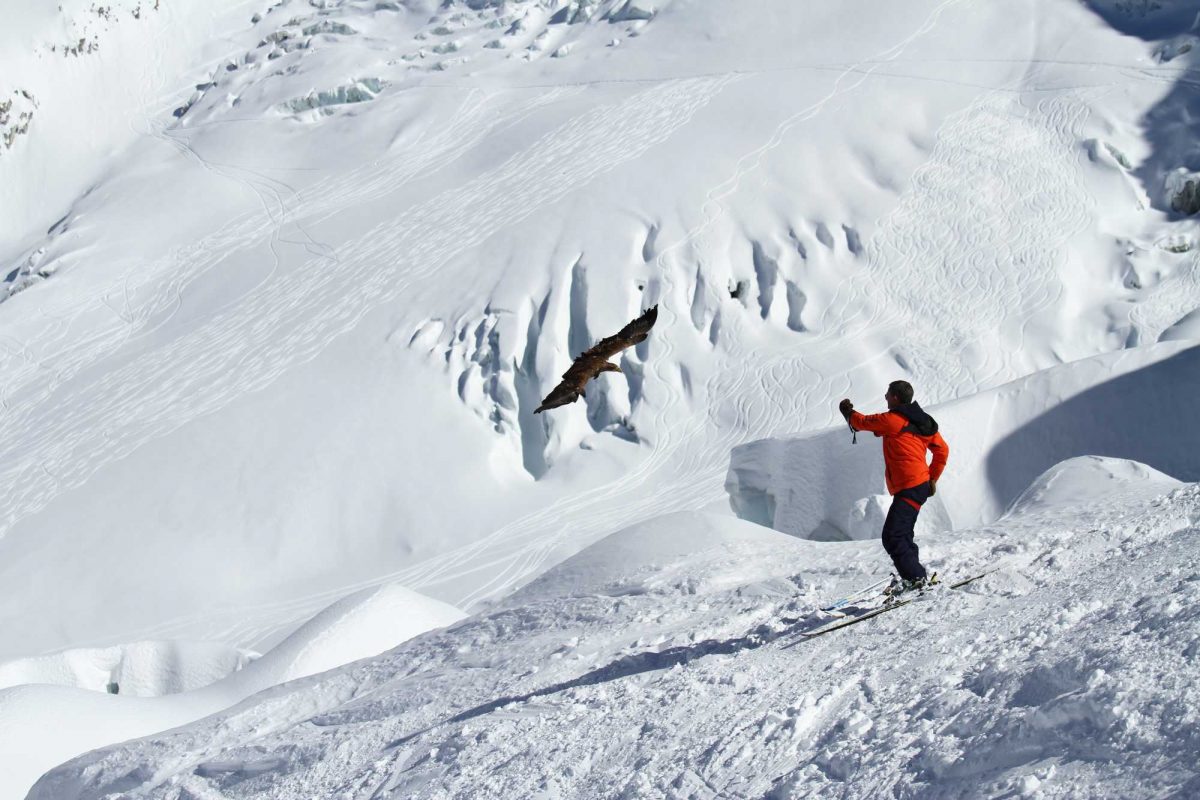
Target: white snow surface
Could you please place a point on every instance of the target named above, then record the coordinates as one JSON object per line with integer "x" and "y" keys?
{"x": 41, "y": 725}
{"x": 661, "y": 663}
{"x": 284, "y": 282}
{"x": 141, "y": 669}
{"x": 1127, "y": 404}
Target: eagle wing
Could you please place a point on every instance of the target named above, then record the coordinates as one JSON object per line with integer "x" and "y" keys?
{"x": 587, "y": 364}
{"x": 636, "y": 331}
{"x": 559, "y": 396}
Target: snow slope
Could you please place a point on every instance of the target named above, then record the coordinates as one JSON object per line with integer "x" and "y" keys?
{"x": 272, "y": 332}
{"x": 658, "y": 663}
{"x": 82, "y": 79}
{"x": 43, "y": 724}
{"x": 259, "y": 315}
{"x": 1128, "y": 404}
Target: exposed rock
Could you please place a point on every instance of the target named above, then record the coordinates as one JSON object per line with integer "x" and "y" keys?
{"x": 1183, "y": 191}
{"x": 16, "y": 114}
{"x": 632, "y": 11}
{"x": 329, "y": 26}
{"x": 1172, "y": 50}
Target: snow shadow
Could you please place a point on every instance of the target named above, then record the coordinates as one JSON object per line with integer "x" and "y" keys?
{"x": 628, "y": 666}
{"x": 1144, "y": 415}
{"x": 1172, "y": 126}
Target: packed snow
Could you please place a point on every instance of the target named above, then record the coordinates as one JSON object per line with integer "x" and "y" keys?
{"x": 284, "y": 282}
{"x": 659, "y": 662}
{"x": 43, "y": 724}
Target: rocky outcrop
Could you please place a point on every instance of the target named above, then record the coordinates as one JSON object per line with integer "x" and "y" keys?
{"x": 1182, "y": 190}
{"x": 633, "y": 11}
{"x": 16, "y": 114}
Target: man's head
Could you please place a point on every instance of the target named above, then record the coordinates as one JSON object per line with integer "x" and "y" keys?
{"x": 899, "y": 393}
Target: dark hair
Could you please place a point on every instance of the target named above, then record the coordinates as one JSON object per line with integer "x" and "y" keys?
{"x": 902, "y": 390}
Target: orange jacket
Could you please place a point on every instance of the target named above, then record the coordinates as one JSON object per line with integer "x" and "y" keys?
{"x": 907, "y": 433}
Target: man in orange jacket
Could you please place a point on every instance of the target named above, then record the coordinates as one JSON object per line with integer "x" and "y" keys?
{"x": 907, "y": 432}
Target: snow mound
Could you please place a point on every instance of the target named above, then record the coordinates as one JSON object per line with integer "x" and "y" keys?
{"x": 868, "y": 513}
{"x": 41, "y": 726}
{"x": 1187, "y": 328}
{"x": 1123, "y": 405}
{"x": 140, "y": 669}
{"x": 364, "y": 624}
{"x": 1085, "y": 480}
{"x": 686, "y": 551}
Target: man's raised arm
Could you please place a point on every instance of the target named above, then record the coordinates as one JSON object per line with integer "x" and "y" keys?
{"x": 877, "y": 423}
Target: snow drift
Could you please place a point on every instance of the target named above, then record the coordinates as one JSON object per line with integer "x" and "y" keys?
{"x": 1132, "y": 404}
{"x": 140, "y": 669}
{"x": 41, "y": 725}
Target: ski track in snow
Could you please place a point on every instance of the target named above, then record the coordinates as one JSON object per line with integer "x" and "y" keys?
{"x": 519, "y": 549}
{"x": 288, "y": 318}
{"x": 1045, "y": 189}
{"x": 36, "y": 378}
{"x": 1041, "y": 180}
{"x": 1168, "y": 302}
{"x": 998, "y": 167}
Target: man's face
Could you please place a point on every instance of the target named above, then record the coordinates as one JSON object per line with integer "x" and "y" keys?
{"x": 891, "y": 399}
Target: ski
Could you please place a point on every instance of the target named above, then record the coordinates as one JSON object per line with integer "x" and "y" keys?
{"x": 854, "y": 596}
{"x": 875, "y": 612}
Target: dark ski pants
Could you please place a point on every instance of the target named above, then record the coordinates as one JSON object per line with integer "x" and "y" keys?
{"x": 898, "y": 530}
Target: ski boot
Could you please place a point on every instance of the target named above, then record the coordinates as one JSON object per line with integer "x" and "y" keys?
{"x": 900, "y": 586}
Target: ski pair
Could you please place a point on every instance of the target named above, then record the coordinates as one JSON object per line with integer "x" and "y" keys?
{"x": 844, "y": 623}
{"x": 837, "y": 607}
{"x": 854, "y": 597}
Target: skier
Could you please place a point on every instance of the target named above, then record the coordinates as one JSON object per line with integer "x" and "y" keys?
{"x": 907, "y": 433}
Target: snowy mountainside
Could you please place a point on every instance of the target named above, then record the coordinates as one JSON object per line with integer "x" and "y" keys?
{"x": 656, "y": 664}
{"x": 814, "y": 211}
{"x": 274, "y": 333}
{"x": 79, "y": 81}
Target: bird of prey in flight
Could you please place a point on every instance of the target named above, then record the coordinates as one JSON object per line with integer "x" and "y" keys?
{"x": 591, "y": 362}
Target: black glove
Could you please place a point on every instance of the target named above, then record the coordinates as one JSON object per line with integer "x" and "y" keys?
{"x": 846, "y": 407}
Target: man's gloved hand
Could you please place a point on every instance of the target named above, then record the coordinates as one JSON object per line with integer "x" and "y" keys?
{"x": 932, "y": 488}
{"x": 846, "y": 407}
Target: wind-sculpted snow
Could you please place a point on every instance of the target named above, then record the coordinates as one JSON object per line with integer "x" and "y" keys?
{"x": 41, "y": 725}
{"x": 960, "y": 284}
{"x": 1126, "y": 404}
{"x": 289, "y": 319}
{"x": 1066, "y": 672}
{"x": 138, "y": 669}
{"x": 276, "y": 349}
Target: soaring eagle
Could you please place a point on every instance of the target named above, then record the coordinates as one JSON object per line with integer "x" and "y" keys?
{"x": 594, "y": 360}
